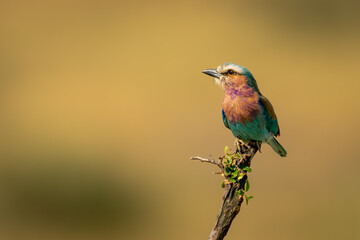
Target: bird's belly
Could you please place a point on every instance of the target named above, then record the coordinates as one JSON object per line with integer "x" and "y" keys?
{"x": 252, "y": 130}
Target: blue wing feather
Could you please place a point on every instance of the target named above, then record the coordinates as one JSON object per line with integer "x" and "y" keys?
{"x": 271, "y": 122}
{"x": 226, "y": 123}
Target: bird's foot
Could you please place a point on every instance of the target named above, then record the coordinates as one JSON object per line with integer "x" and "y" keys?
{"x": 237, "y": 144}
{"x": 241, "y": 147}
{"x": 258, "y": 144}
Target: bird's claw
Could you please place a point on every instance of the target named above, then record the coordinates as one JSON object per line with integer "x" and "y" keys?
{"x": 238, "y": 143}
{"x": 258, "y": 144}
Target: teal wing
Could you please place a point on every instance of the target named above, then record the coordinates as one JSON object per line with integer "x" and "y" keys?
{"x": 226, "y": 123}
{"x": 271, "y": 121}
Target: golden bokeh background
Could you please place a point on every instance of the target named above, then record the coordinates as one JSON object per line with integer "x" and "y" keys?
{"x": 103, "y": 103}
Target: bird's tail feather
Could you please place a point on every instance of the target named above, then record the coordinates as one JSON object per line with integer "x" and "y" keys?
{"x": 276, "y": 146}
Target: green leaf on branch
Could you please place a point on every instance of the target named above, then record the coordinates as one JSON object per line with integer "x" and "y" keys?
{"x": 247, "y": 186}
{"x": 240, "y": 192}
{"x": 226, "y": 149}
{"x": 227, "y": 171}
{"x": 246, "y": 168}
{"x": 241, "y": 175}
{"x": 229, "y": 160}
{"x": 235, "y": 173}
{"x": 232, "y": 180}
{"x": 247, "y": 198}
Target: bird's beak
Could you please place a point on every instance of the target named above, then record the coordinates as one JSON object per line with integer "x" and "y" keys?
{"x": 212, "y": 73}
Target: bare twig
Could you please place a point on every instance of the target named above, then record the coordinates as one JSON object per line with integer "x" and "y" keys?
{"x": 201, "y": 159}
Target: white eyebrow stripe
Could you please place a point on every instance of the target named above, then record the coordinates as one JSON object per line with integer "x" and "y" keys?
{"x": 223, "y": 68}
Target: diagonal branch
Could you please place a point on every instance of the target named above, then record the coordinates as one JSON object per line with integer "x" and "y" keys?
{"x": 232, "y": 200}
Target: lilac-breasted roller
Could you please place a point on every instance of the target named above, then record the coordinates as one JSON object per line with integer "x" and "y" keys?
{"x": 245, "y": 111}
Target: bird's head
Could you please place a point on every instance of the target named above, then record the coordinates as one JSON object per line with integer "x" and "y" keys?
{"x": 229, "y": 75}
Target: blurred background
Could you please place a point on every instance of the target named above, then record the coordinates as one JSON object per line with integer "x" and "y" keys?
{"x": 103, "y": 103}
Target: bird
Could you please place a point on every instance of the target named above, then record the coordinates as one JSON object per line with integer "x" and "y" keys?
{"x": 245, "y": 111}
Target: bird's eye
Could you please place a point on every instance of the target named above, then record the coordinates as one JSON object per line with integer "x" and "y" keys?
{"x": 230, "y": 72}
